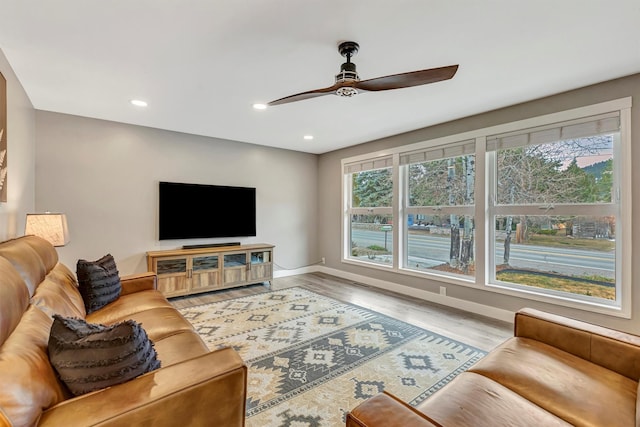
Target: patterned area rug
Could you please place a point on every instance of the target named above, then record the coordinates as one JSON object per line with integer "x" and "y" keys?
{"x": 311, "y": 358}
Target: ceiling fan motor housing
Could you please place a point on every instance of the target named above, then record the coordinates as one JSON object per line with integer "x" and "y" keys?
{"x": 347, "y": 73}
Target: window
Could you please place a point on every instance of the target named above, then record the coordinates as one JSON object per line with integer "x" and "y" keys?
{"x": 370, "y": 216}
{"x": 440, "y": 225}
{"x": 555, "y": 210}
{"x": 533, "y": 209}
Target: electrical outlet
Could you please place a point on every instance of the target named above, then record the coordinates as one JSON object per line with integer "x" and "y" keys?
{"x": 443, "y": 290}
{"x": 322, "y": 261}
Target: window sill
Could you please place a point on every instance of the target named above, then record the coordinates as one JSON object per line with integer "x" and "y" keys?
{"x": 527, "y": 294}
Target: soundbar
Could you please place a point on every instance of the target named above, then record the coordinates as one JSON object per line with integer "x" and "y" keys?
{"x": 211, "y": 245}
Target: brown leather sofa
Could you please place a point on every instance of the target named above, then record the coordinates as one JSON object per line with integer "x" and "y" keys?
{"x": 193, "y": 387}
{"x": 555, "y": 371}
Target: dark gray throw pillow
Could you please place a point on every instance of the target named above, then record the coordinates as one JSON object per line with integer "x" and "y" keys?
{"x": 98, "y": 282}
{"x": 90, "y": 357}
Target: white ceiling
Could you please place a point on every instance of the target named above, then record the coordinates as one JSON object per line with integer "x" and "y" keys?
{"x": 201, "y": 64}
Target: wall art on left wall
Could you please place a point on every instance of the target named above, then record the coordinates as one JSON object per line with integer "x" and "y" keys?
{"x": 3, "y": 139}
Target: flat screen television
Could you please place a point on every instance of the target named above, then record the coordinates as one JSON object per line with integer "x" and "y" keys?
{"x": 192, "y": 211}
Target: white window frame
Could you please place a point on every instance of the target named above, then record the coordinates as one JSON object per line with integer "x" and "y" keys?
{"x": 426, "y": 154}
{"x": 359, "y": 164}
{"x": 483, "y": 230}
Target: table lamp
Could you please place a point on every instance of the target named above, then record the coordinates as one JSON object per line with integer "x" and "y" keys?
{"x": 50, "y": 226}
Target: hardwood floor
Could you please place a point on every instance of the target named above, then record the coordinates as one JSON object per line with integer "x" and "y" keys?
{"x": 479, "y": 331}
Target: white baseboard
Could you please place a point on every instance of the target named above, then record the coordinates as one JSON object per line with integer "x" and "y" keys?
{"x": 287, "y": 273}
{"x": 472, "y": 307}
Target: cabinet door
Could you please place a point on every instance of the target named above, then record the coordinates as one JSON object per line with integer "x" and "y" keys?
{"x": 172, "y": 275}
{"x": 261, "y": 265}
{"x": 205, "y": 271}
{"x": 235, "y": 268}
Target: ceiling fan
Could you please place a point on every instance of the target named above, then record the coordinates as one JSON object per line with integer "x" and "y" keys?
{"x": 349, "y": 84}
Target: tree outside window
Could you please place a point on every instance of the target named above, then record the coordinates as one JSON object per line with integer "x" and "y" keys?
{"x": 440, "y": 227}
{"x": 371, "y": 221}
{"x": 555, "y": 221}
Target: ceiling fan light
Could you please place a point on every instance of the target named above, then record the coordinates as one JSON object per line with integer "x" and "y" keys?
{"x": 346, "y": 91}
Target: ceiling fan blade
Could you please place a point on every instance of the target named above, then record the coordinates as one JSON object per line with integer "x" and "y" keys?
{"x": 414, "y": 78}
{"x": 306, "y": 95}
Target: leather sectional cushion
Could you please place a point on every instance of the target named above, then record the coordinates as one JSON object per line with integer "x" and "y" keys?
{"x": 89, "y": 357}
{"x": 128, "y": 305}
{"x": 48, "y": 254}
{"x": 612, "y": 349}
{"x": 384, "y": 409}
{"x": 158, "y": 322}
{"x": 574, "y": 389}
{"x": 181, "y": 346}
{"x": 14, "y": 299}
{"x": 99, "y": 282}
{"x": 55, "y": 297}
{"x": 26, "y": 261}
{"x": 474, "y": 400}
{"x": 29, "y": 382}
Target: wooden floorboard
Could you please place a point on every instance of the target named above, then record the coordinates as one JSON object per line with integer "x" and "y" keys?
{"x": 479, "y": 331}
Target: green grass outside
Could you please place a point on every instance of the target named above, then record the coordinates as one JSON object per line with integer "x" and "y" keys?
{"x": 559, "y": 284}
{"x": 601, "y": 245}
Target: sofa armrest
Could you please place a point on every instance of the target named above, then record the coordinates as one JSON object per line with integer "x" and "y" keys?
{"x": 138, "y": 282}
{"x": 614, "y": 350}
{"x": 386, "y": 410}
{"x": 206, "y": 390}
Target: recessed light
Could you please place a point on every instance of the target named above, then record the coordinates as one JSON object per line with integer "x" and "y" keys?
{"x": 138, "y": 103}
{"x": 308, "y": 137}
{"x": 260, "y": 106}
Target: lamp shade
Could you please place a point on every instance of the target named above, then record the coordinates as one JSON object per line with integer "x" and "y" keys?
{"x": 49, "y": 226}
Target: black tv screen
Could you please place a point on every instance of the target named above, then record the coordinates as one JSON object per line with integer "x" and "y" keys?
{"x": 192, "y": 211}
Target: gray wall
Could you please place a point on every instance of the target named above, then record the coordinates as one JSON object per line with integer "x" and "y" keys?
{"x": 21, "y": 145}
{"x": 330, "y": 206}
{"x": 104, "y": 176}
